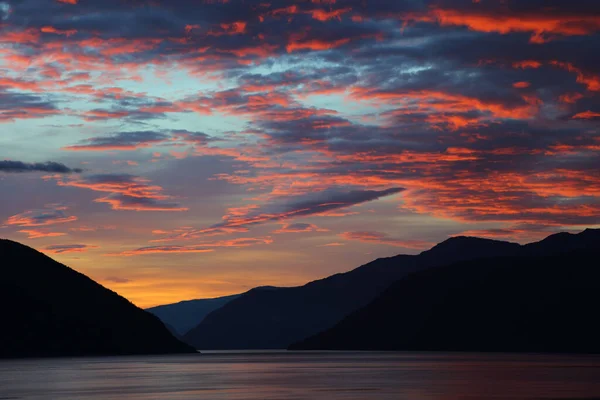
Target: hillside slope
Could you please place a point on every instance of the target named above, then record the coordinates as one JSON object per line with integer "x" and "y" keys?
{"x": 185, "y": 315}
{"x": 525, "y": 303}
{"x": 272, "y": 318}
{"x": 52, "y": 310}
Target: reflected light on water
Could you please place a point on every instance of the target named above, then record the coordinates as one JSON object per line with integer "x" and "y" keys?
{"x": 318, "y": 375}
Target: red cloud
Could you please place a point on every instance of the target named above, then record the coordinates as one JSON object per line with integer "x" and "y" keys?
{"x": 234, "y": 28}
{"x": 437, "y": 102}
{"x": 50, "y": 29}
{"x": 127, "y": 192}
{"x": 521, "y": 85}
{"x": 324, "y": 15}
{"x": 45, "y": 217}
{"x": 587, "y": 115}
{"x": 297, "y": 42}
{"x": 541, "y": 25}
{"x": 591, "y": 81}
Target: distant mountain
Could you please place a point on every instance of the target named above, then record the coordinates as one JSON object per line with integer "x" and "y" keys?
{"x": 271, "y": 318}
{"x": 543, "y": 300}
{"x": 52, "y": 310}
{"x": 185, "y": 315}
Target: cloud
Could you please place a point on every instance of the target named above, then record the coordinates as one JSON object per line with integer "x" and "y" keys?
{"x": 116, "y": 279}
{"x": 54, "y": 214}
{"x": 126, "y": 192}
{"x": 542, "y": 25}
{"x": 493, "y": 103}
{"x": 205, "y": 247}
{"x": 37, "y": 233}
{"x": 68, "y": 248}
{"x": 9, "y": 166}
{"x": 305, "y": 205}
{"x": 300, "y": 228}
{"x": 15, "y": 106}
{"x": 120, "y": 141}
{"x": 130, "y": 141}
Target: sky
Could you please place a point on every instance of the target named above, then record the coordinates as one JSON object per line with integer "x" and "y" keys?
{"x": 179, "y": 149}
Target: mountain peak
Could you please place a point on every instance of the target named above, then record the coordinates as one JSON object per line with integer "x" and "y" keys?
{"x": 459, "y": 247}
{"x": 565, "y": 241}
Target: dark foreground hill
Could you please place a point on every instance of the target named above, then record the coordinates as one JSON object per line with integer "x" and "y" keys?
{"x": 185, "y": 315}
{"x": 272, "y": 318}
{"x": 52, "y": 310}
{"x": 525, "y": 303}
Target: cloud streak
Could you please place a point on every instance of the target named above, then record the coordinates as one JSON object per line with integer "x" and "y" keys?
{"x": 9, "y": 166}
{"x": 68, "y": 248}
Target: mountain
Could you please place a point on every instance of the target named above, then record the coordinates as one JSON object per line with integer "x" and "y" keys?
{"x": 272, "y": 318}
{"x": 52, "y": 310}
{"x": 523, "y": 303}
{"x": 183, "y": 316}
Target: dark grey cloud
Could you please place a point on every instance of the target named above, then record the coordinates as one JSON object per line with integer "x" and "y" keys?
{"x": 10, "y": 166}
{"x": 134, "y": 140}
{"x": 20, "y": 105}
{"x": 121, "y": 141}
{"x": 305, "y": 205}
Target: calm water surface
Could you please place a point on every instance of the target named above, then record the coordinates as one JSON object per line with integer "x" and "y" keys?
{"x": 330, "y": 376}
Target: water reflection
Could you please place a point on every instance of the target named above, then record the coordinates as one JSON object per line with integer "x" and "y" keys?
{"x": 315, "y": 376}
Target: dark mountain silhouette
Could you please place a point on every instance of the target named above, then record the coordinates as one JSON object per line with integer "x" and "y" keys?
{"x": 52, "y": 310}
{"x": 525, "y": 303}
{"x": 271, "y": 318}
{"x": 185, "y": 315}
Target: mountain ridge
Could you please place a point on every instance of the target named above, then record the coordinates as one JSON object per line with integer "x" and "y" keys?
{"x": 184, "y": 315}
{"x": 521, "y": 303}
{"x": 58, "y": 311}
{"x": 270, "y": 319}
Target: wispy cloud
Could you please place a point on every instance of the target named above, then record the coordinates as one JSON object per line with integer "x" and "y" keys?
{"x": 68, "y": 248}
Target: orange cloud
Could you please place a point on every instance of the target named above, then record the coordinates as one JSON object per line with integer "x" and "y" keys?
{"x": 571, "y": 98}
{"x": 44, "y": 217}
{"x": 127, "y": 192}
{"x": 50, "y": 29}
{"x": 314, "y": 44}
{"x": 587, "y": 115}
{"x": 527, "y": 64}
{"x": 436, "y": 102}
{"x": 324, "y": 15}
{"x": 540, "y": 25}
{"x": 521, "y": 85}
{"x": 36, "y": 234}
{"x": 234, "y": 28}
{"x": 591, "y": 81}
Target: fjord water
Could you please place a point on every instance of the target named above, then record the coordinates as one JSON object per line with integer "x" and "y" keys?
{"x": 315, "y": 376}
